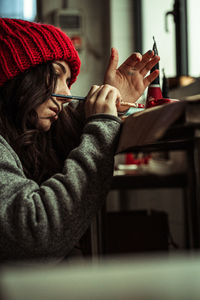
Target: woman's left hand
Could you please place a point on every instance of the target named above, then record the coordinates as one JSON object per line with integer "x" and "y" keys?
{"x": 130, "y": 78}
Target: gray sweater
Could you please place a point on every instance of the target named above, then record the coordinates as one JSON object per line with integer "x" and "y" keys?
{"x": 46, "y": 221}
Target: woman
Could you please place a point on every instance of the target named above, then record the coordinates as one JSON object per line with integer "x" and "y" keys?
{"x": 55, "y": 164}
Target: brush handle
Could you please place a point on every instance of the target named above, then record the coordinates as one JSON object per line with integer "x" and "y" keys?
{"x": 68, "y": 97}
{"x": 84, "y": 98}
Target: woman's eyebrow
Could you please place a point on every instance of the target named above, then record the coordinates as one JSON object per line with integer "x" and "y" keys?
{"x": 61, "y": 66}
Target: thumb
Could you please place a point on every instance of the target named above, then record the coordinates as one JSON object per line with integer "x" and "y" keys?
{"x": 113, "y": 62}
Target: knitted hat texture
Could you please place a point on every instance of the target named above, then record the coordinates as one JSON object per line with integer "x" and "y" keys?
{"x": 25, "y": 44}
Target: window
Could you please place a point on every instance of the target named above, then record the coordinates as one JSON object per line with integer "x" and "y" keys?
{"x": 22, "y": 9}
{"x": 193, "y": 8}
{"x": 153, "y": 24}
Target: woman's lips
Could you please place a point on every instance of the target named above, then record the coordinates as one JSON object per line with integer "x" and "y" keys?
{"x": 55, "y": 110}
{"x": 55, "y": 117}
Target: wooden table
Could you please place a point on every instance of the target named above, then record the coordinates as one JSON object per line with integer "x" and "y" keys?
{"x": 169, "y": 127}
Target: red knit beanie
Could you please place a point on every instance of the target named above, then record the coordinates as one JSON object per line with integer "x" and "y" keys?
{"x": 25, "y": 44}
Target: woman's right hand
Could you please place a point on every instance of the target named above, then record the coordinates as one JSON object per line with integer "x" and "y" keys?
{"x": 104, "y": 99}
{"x": 131, "y": 77}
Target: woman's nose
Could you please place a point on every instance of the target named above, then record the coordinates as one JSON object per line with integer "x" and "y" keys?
{"x": 65, "y": 92}
{"x": 62, "y": 88}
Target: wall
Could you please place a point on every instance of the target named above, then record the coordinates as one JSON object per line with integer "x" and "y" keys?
{"x": 96, "y": 42}
{"x": 121, "y": 27}
{"x": 154, "y": 25}
{"x": 106, "y": 24}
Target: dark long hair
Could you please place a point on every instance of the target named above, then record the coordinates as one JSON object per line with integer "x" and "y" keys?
{"x": 41, "y": 153}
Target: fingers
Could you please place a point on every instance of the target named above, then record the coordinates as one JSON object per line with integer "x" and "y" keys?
{"x": 91, "y": 99}
{"x": 145, "y": 64}
{"x": 103, "y": 99}
{"x": 145, "y": 59}
{"x": 92, "y": 90}
{"x": 150, "y": 65}
{"x": 150, "y": 78}
{"x": 139, "y": 63}
{"x": 108, "y": 95}
{"x": 113, "y": 62}
{"x": 131, "y": 61}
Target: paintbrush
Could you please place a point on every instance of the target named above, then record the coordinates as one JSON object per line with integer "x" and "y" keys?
{"x": 123, "y": 103}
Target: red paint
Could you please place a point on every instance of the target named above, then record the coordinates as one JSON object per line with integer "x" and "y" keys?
{"x": 161, "y": 101}
{"x": 155, "y": 98}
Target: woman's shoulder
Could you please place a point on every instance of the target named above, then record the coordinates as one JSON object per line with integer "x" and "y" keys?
{"x": 5, "y": 144}
{"x": 7, "y": 152}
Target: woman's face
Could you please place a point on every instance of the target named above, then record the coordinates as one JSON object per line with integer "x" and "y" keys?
{"x": 48, "y": 111}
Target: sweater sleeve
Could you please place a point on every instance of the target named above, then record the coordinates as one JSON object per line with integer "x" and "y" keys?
{"x": 47, "y": 221}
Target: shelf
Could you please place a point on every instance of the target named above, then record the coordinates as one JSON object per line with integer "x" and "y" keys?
{"x": 146, "y": 181}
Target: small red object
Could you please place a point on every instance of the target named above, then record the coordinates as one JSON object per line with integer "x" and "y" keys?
{"x": 156, "y": 102}
{"x": 140, "y": 105}
{"x": 129, "y": 159}
{"x": 155, "y": 98}
{"x": 154, "y": 92}
{"x": 77, "y": 42}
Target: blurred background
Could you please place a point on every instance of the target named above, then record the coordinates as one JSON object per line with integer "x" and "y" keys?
{"x": 129, "y": 25}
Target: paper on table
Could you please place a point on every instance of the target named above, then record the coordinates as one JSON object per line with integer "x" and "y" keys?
{"x": 149, "y": 125}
